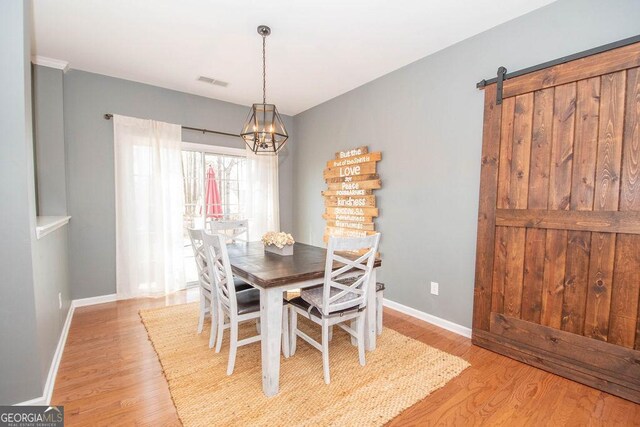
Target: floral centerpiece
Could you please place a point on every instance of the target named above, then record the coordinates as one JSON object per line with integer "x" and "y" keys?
{"x": 279, "y": 243}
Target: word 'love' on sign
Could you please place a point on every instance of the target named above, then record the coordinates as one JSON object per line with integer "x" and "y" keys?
{"x": 346, "y": 171}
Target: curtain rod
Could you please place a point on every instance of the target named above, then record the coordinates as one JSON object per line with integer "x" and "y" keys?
{"x": 108, "y": 116}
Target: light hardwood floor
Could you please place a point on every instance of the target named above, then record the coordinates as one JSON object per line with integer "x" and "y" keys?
{"x": 110, "y": 375}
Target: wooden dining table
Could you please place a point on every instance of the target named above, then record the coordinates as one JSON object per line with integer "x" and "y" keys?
{"x": 273, "y": 274}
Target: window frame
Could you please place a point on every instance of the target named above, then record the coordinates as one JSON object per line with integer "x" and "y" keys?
{"x": 213, "y": 149}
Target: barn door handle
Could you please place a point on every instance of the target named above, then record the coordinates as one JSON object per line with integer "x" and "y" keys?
{"x": 501, "y": 73}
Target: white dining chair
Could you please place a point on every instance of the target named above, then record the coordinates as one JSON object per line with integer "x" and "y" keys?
{"x": 206, "y": 296}
{"x": 233, "y": 230}
{"x": 379, "y": 306}
{"x": 340, "y": 299}
{"x": 236, "y": 307}
{"x": 208, "y": 304}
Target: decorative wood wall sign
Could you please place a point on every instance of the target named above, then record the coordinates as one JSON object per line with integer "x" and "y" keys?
{"x": 350, "y": 205}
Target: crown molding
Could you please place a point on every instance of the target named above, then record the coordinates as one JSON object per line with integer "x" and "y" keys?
{"x": 50, "y": 62}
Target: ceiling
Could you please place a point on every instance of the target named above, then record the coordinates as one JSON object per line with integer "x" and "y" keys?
{"x": 318, "y": 49}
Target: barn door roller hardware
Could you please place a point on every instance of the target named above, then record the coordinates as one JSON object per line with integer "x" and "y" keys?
{"x": 502, "y": 76}
{"x": 502, "y": 71}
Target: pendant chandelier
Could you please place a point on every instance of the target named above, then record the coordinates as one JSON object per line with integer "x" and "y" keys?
{"x": 264, "y": 131}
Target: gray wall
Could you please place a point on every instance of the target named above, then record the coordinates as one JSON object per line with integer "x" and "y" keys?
{"x": 51, "y": 252}
{"x": 426, "y": 118}
{"x": 90, "y": 167}
{"x": 49, "y": 137}
{"x": 51, "y": 277}
{"x": 19, "y": 364}
{"x": 33, "y": 271}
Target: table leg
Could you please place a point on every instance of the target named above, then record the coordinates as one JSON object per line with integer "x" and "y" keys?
{"x": 271, "y": 327}
{"x": 370, "y": 316}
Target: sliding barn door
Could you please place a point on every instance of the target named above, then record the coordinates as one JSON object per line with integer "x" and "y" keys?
{"x": 558, "y": 255}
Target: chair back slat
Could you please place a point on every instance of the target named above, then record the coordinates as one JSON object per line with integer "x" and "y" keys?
{"x": 195, "y": 235}
{"x": 232, "y": 230}
{"x": 220, "y": 270}
{"x": 338, "y": 293}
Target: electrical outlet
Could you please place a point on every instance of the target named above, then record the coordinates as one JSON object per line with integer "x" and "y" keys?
{"x": 60, "y": 300}
{"x": 434, "y": 288}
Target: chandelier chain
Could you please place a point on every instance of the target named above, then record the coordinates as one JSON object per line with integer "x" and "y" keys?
{"x": 264, "y": 70}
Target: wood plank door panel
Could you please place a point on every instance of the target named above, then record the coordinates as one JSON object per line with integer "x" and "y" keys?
{"x": 625, "y": 304}
{"x": 535, "y": 241}
{"x": 585, "y": 147}
{"x": 558, "y": 254}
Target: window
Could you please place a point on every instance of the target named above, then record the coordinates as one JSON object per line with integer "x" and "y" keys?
{"x": 228, "y": 167}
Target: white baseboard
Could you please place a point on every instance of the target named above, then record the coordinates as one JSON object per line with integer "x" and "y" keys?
{"x": 45, "y": 399}
{"x": 429, "y": 318}
{"x": 55, "y": 363}
{"x": 94, "y": 300}
{"x": 33, "y": 402}
{"x": 57, "y": 356}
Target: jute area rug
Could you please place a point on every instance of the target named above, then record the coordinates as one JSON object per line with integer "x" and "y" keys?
{"x": 400, "y": 372}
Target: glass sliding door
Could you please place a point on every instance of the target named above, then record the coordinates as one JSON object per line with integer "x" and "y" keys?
{"x": 228, "y": 177}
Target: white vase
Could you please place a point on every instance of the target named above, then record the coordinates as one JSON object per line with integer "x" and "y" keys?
{"x": 284, "y": 251}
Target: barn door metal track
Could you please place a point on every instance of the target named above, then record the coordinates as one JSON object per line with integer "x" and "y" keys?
{"x": 502, "y": 71}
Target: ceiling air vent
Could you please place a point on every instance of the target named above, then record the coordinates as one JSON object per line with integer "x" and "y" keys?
{"x": 211, "y": 81}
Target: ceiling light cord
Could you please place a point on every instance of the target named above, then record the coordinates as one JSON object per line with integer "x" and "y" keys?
{"x": 264, "y": 69}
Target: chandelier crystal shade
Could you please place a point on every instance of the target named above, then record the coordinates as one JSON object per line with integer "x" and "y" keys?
{"x": 264, "y": 131}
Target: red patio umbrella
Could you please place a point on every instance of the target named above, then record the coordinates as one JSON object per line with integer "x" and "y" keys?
{"x": 212, "y": 199}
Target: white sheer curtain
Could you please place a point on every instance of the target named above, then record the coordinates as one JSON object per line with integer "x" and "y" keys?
{"x": 263, "y": 203}
{"x": 149, "y": 207}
